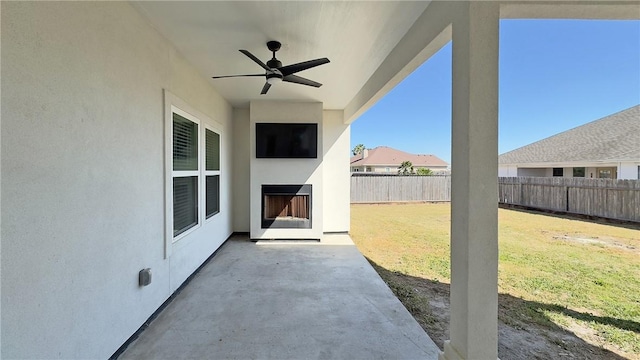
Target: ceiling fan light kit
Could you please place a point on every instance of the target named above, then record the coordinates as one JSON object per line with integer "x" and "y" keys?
{"x": 276, "y": 73}
{"x": 274, "y": 78}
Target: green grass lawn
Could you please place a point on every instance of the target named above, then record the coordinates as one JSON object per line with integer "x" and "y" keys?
{"x": 578, "y": 275}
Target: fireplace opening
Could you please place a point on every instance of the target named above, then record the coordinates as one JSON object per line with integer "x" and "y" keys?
{"x": 286, "y": 206}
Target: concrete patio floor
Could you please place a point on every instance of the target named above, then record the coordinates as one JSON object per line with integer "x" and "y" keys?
{"x": 285, "y": 301}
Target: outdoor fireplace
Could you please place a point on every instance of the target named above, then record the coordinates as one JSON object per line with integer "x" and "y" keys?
{"x": 286, "y": 206}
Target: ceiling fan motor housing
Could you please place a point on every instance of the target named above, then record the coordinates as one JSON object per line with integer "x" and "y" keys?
{"x": 274, "y": 63}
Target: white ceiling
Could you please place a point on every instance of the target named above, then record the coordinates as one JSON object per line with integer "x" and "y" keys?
{"x": 356, "y": 37}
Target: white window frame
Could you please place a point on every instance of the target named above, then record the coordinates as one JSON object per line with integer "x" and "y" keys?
{"x": 183, "y": 173}
{"x": 173, "y": 104}
{"x": 206, "y": 172}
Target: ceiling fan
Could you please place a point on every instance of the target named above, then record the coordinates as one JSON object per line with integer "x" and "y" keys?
{"x": 276, "y": 73}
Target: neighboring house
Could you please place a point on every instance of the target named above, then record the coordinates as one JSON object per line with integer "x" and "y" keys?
{"x": 120, "y": 153}
{"x": 383, "y": 159}
{"x": 607, "y": 148}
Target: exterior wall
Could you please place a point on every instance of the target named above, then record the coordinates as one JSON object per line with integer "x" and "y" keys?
{"x": 507, "y": 171}
{"x": 383, "y": 169}
{"x": 389, "y": 169}
{"x": 568, "y": 172}
{"x": 336, "y": 176}
{"x": 241, "y": 170}
{"x": 629, "y": 170}
{"x": 593, "y": 171}
{"x": 83, "y": 176}
{"x": 335, "y": 145}
{"x": 536, "y": 172}
{"x": 624, "y": 170}
{"x": 286, "y": 171}
{"x": 548, "y": 172}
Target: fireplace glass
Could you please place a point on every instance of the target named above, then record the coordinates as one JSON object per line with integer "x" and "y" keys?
{"x": 286, "y": 206}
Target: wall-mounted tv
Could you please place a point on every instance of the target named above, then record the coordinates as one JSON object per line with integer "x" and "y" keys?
{"x": 285, "y": 140}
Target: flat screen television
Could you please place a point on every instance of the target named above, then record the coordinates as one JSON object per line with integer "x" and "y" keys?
{"x": 285, "y": 140}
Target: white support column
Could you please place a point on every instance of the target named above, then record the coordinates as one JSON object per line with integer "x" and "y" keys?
{"x": 474, "y": 203}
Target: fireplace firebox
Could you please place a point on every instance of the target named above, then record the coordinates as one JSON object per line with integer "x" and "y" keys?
{"x": 286, "y": 206}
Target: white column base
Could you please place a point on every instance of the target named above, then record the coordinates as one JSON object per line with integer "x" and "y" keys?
{"x": 450, "y": 353}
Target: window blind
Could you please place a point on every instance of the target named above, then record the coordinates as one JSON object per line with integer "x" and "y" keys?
{"x": 185, "y": 204}
{"x": 185, "y": 144}
{"x": 212, "y": 150}
{"x": 213, "y": 195}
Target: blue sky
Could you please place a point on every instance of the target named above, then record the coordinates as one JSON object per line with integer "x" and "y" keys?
{"x": 554, "y": 75}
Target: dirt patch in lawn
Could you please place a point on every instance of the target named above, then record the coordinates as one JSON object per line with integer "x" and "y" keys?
{"x": 604, "y": 242}
{"x": 520, "y": 337}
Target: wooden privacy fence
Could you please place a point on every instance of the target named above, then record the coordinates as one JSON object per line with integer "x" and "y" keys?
{"x": 614, "y": 199}
{"x": 395, "y": 188}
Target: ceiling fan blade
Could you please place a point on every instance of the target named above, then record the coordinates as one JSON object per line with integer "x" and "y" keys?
{"x": 300, "y": 80}
{"x": 294, "y": 68}
{"x": 230, "y": 76}
{"x": 265, "y": 88}
{"x": 254, "y": 58}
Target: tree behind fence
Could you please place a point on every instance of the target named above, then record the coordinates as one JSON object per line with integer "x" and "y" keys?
{"x": 614, "y": 199}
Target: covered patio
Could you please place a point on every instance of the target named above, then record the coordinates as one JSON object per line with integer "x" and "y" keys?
{"x": 94, "y": 97}
{"x": 284, "y": 300}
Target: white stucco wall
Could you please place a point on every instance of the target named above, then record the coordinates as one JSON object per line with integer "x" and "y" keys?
{"x": 567, "y": 172}
{"x": 286, "y": 171}
{"x": 241, "y": 170}
{"x": 507, "y": 171}
{"x": 83, "y": 176}
{"x": 537, "y": 172}
{"x": 548, "y": 172}
{"x": 625, "y": 170}
{"x": 628, "y": 170}
{"x": 336, "y": 174}
{"x": 383, "y": 169}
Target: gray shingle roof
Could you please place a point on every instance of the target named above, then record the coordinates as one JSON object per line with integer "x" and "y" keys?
{"x": 613, "y": 138}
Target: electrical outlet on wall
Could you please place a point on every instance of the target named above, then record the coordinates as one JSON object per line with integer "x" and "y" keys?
{"x": 144, "y": 277}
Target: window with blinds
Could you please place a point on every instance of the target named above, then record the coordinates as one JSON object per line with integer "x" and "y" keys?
{"x": 194, "y": 183}
{"x": 212, "y": 173}
{"x": 185, "y": 174}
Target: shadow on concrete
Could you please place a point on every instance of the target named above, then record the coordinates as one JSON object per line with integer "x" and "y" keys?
{"x": 525, "y": 330}
{"x": 570, "y": 216}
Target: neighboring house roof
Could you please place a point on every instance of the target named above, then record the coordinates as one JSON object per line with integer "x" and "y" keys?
{"x": 612, "y": 138}
{"x": 386, "y": 156}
